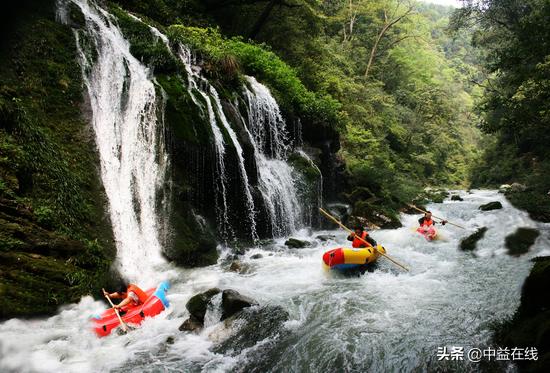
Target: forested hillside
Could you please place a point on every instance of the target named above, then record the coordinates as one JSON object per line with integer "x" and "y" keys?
{"x": 404, "y": 88}
{"x": 514, "y": 38}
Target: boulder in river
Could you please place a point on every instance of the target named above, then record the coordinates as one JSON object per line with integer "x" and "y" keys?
{"x": 198, "y": 304}
{"x": 325, "y": 237}
{"x": 530, "y": 325}
{"x": 191, "y": 325}
{"x": 504, "y": 188}
{"x": 456, "y": 197}
{"x": 495, "y": 205}
{"x": 296, "y": 243}
{"x": 341, "y": 211}
{"x": 254, "y": 325}
{"x": 256, "y": 256}
{"x": 239, "y": 267}
{"x": 233, "y": 302}
{"x": 519, "y": 242}
{"x": 469, "y": 243}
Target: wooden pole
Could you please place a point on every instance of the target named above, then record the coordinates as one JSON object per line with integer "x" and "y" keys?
{"x": 122, "y": 323}
{"x": 437, "y": 217}
{"x": 350, "y": 231}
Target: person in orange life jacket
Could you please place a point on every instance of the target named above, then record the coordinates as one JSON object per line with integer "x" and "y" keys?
{"x": 426, "y": 221}
{"x": 360, "y": 232}
{"x": 130, "y": 294}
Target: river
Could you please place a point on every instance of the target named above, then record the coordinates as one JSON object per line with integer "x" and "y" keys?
{"x": 386, "y": 320}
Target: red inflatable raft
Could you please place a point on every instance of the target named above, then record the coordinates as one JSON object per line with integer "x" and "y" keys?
{"x": 133, "y": 315}
{"x": 429, "y": 234}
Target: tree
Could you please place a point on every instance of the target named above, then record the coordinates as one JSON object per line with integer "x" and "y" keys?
{"x": 394, "y": 18}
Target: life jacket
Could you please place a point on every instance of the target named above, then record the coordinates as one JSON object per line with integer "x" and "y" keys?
{"x": 142, "y": 296}
{"x": 427, "y": 222}
{"x": 357, "y": 243}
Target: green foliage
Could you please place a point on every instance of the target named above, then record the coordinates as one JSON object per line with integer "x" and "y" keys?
{"x": 409, "y": 124}
{"x": 265, "y": 65}
{"x": 50, "y": 195}
{"x": 513, "y": 36}
{"x": 144, "y": 45}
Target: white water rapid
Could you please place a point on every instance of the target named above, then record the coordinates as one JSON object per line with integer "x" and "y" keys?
{"x": 384, "y": 321}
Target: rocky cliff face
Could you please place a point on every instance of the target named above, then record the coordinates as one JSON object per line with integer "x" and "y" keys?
{"x": 56, "y": 241}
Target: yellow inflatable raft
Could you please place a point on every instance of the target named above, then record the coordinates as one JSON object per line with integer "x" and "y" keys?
{"x": 346, "y": 259}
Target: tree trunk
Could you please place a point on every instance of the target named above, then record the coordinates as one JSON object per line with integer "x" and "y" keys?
{"x": 263, "y": 18}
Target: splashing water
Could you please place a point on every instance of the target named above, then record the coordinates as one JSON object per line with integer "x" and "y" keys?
{"x": 387, "y": 320}
{"x": 130, "y": 140}
{"x": 269, "y": 136}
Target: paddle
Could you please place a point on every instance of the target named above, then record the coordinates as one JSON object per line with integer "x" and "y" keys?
{"x": 122, "y": 323}
{"x": 437, "y": 217}
{"x": 350, "y": 231}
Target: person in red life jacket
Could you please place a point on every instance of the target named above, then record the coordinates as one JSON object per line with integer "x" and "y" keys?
{"x": 130, "y": 294}
{"x": 426, "y": 221}
{"x": 358, "y": 243}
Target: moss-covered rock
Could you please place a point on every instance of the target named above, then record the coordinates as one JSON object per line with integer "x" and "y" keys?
{"x": 254, "y": 325}
{"x": 530, "y": 326}
{"x": 521, "y": 240}
{"x": 469, "y": 243}
{"x": 198, "y": 304}
{"x": 296, "y": 243}
{"x": 535, "y": 202}
{"x": 56, "y": 241}
{"x": 233, "y": 302}
{"x": 495, "y": 205}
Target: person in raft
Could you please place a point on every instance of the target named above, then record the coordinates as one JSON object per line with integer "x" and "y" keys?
{"x": 130, "y": 294}
{"x": 358, "y": 243}
{"x": 426, "y": 221}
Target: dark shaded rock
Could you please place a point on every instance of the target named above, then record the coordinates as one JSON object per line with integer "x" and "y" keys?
{"x": 233, "y": 302}
{"x": 239, "y": 267}
{"x": 256, "y": 256}
{"x": 296, "y": 243}
{"x": 189, "y": 325}
{"x": 258, "y": 324}
{"x": 495, "y": 205}
{"x": 469, "y": 243}
{"x": 519, "y": 242}
{"x": 530, "y": 325}
{"x": 387, "y": 222}
{"x": 340, "y": 211}
{"x": 198, "y": 304}
{"x": 170, "y": 340}
{"x": 456, "y": 197}
{"x": 325, "y": 237}
{"x": 535, "y": 202}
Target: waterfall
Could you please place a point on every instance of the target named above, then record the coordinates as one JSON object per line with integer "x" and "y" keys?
{"x": 217, "y": 118}
{"x": 269, "y": 135}
{"x": 129, "y": 137}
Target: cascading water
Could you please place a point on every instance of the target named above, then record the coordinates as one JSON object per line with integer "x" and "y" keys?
{"x": 277, "y": 180}
{"x": 384, "y": 321}
{"x": 129, "y": 137}
{"x": 217, "y": 117}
